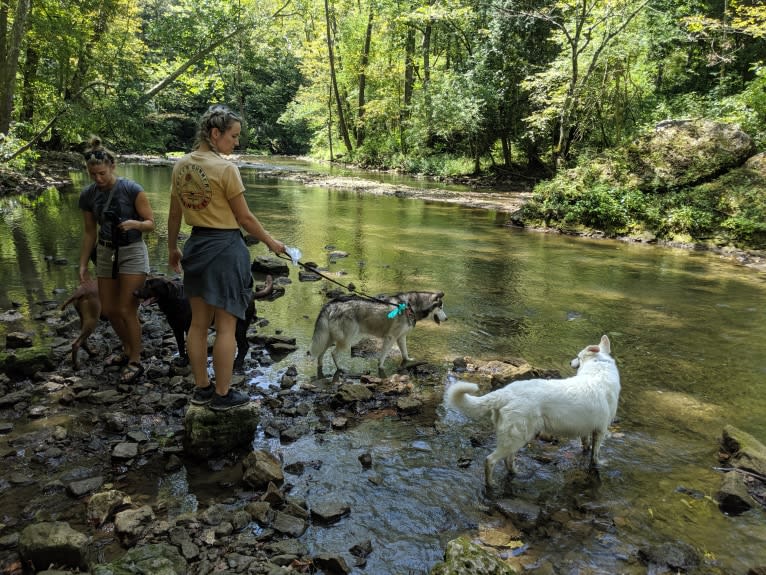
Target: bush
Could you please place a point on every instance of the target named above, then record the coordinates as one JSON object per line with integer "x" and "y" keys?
{"x": 599, "y": 194}
{"x": 9, "y": 145}
{"x": 570, "y": 201}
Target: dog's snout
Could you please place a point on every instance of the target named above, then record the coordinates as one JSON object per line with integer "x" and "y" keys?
{"x": 575, "y": 363}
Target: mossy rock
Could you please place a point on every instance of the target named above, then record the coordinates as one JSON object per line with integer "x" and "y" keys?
{"x": 681, "y": 153}
{"x": 26, "y": 362}
{"x": 465, "y": 558}
{"x": 208, "y": 432}
{"x": 747, "y": 453}
{"x": 155, "y": 559}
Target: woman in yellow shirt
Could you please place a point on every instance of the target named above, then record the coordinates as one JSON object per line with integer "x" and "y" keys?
{"x": 207, "y": 190}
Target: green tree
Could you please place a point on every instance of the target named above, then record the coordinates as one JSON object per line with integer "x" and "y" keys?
{"x": 13, "y": 23}
{"x": 584, "y": 30}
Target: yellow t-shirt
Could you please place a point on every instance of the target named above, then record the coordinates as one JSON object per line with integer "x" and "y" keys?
{"x": 205, "y": 182}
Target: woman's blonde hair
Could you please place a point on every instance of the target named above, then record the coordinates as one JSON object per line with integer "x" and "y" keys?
{"x": 96, "y": 153}
{"x": 217, "y": 116}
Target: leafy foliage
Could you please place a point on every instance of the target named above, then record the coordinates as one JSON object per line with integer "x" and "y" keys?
{"x": 601, "y": 194}
{"x": 453, "y": 86}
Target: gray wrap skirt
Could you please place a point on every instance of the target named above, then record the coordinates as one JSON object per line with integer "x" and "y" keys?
{"x": 216, "y": 266}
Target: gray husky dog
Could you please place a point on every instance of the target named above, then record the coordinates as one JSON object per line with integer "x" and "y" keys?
{"x": 344, "y": 321}
{"x": 579, "y": 406}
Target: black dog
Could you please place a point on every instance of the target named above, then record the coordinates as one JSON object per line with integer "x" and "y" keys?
{"x": 169, "y": 296}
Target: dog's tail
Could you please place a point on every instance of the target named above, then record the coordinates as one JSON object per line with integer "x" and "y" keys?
{"x": 84, "y": 288}
{"x": 460, "y": 396}
{"x": 320, "y": 341}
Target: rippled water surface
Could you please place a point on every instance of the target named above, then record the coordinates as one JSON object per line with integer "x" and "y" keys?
{"x": 688, "y": 330}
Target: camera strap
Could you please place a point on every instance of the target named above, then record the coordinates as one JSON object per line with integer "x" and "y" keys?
{"x": 115, "y": 229}
{"x": 108, "y": 202}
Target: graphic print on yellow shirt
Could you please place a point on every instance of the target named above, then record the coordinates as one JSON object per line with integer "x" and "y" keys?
{"x": 194, "y": 187}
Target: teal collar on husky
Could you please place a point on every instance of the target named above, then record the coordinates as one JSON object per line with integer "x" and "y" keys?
{"x": 399, "y": 309}
{"x": 403, "y": 308}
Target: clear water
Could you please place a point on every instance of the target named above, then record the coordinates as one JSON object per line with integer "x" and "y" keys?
{"x": 688, "y": 330}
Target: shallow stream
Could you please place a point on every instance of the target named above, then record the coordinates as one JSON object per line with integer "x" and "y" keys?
{"x": 688, "y": 330}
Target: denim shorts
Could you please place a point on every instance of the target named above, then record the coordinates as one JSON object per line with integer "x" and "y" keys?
{"x": 131, "y": 259}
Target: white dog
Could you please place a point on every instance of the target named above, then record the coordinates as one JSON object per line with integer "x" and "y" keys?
{"x": 580, "y": 406}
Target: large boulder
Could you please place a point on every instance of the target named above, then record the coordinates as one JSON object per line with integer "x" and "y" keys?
{"x": 682, "y": 153}
{"x": 743, "y": 486}
{"x": 53, "y": 543}
{"x": 733, "y": 497}
{"x": 208, "y": 433}
{"x": 744, "y": 451}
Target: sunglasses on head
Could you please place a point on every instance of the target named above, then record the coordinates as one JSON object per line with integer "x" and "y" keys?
{"x": 225, "y": 112}
{"x": 97, "y": 154}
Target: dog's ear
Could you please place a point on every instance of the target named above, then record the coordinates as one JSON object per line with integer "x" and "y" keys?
{"x": 174, "y": 289}
{"x": 606, "y": 345}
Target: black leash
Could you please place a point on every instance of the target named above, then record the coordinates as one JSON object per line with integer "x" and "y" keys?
{"x": 400, "y": 307}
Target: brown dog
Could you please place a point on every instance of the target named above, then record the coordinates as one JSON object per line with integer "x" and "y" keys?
{"x": 88, "y": 306}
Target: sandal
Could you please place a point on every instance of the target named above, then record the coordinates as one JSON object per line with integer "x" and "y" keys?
{"x": 116, "y": 359}
{"x": 131, "y": 372}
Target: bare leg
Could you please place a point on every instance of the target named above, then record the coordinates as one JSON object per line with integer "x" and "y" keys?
{"x": 109, "y": 294}
{"x": 196, "y": 340}
{"x": 224, "y": 350}
{"x": 128, "y": 314}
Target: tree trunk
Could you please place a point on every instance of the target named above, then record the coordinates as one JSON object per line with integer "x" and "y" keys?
{"x": 409, "y": 82}
{"x": 409, "y": 68}
{"x": 506, "y": 150}
{"x": 427, "y": 80}
{"x": 329, "y": 123}
{"x": 10, "y": 48}
{"x": 31, "y": 63}
{"x": 363, "y": 80}
{"x": 83, "y": 62}
{"x": 334, "y": 83}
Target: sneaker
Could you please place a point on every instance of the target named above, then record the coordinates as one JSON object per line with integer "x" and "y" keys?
{"x": 203, "y": 395}
{"x": 232, "y": 399}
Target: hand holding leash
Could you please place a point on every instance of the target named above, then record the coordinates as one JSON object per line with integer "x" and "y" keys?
{"x": 294, "y": 253}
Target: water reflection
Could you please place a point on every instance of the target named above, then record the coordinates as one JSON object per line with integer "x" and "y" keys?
{"x": 688, "y": 331}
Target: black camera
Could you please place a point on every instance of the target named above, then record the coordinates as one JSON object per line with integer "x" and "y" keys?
{"x": 112, "y": 216}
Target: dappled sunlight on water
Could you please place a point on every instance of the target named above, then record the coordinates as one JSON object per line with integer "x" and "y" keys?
{"x": 688, "y": 331}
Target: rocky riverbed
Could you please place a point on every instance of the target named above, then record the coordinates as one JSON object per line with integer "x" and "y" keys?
{"x": 83, "y": 454}
{"x": 91, "y": 466}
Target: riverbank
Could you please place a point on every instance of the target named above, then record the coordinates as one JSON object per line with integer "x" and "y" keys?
{"x": 53, "y": 169}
